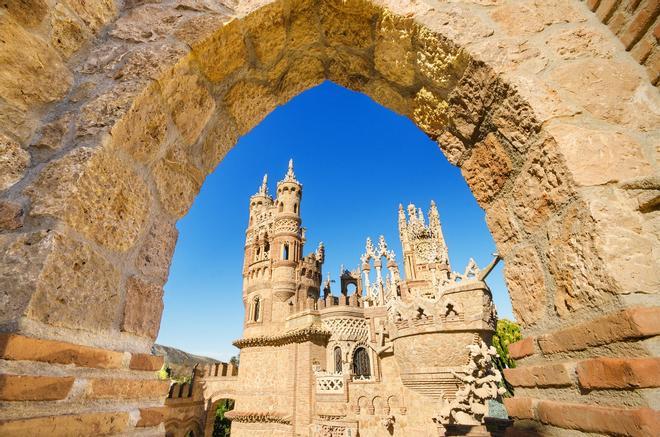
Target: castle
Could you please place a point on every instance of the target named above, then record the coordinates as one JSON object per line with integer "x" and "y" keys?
{"x": 389, "y": 358}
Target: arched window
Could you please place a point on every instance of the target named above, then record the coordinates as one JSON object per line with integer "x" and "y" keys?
{"x": 361, "y": 365}
{"x": 337, "y": 358}
{"x": 257, "y": 309}
{"x": 285, "y": 251}
{"x": 281, "y": 207}
{"x": 295, "y": 208}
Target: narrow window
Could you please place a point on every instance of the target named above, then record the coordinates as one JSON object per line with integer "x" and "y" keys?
{"x": 337, "y": 356}
{"x": 295, "y": 208}
{"x": 361, "y": 363}
{"x": 285, "y": 251}
{"x": 281, "y": 207}
{"x": 257, "y": 309}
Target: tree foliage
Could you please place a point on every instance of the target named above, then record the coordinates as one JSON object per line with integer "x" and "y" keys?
{"x": 507, "y": 332}
{"x": 222, "y": 425}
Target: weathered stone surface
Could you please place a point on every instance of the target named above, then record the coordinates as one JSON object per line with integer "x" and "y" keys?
{"x": 571, "y": 243}
{"x": 110, "y": 203}
{"x": 430, "y": 113}
{"x": 141, "y": 132}
{"x": 393, "y": 52}
{"x": 221, "y": 138}
{"x": 53, "y": 135}
{"x": 610, "y": 90}
{"x": 249, "y": 103}
{"x": 385, "y": 94}
{"x": 522, "y": 348}
{"x": 519, "y": 408}
{"x": 145, "y": 362}
{"x": 146, "y": 61}
{"x": 347, "y": 23}
{"x": 551, "y": 375}
{"x": 34, "y": 388}
{"x": 28, "y": 13}
{"x": 633, "y": 323}
{"x": 487, "y": 169}
{"x": 143, "y": 307}
{"x": 266, "y": 32}
{"x": 14, "y": 161}
{"x": 525, "y": 278}
{"x": 605, "y": 420}
{"x": 608, "y": 373}
{"x": 152, "y": 416}
{"x": 103, "y": 388}
{"x": 302, "y": 74}
{"x": 188, "y": 101}
{"x": 541, "y": 188}
{"x": 18, "y": 347}
{"x": 599, "y": 157}
{"x": 149, "y": 22}
{"x": 94, "y": 13}
{"x": 178, "y": 180}
{"x": 304, "y": 27}
{"x": 75, "y": 288}
{"x": 349, "y": 69}
{"x": 520, "y": 19}
{"x": 156, "y": 253}
{"x": 102, "y": 112}
{"x": 582, "y": 42}
{"x": 68, "y": 33}
{"x": 221, "y": 54}
{"x": 500, "y": 221}
{"x": 515, "y": 120}
{"x": 67, "y": 425}
{"x": 17, "y": 121}
{"x": 32, "y": 73}
{"x": 453, "y": 147}
{"x": 11, "y": 215}
{"x": 438, "y": 61}
{"x": 200, "y": 27}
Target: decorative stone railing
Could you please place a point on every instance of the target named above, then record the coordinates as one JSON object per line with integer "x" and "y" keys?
{"x": 362, "y": 378}
{"x": 329, "y": 383}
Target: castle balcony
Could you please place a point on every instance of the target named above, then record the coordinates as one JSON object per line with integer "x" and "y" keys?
{"x": 330, "y": 383}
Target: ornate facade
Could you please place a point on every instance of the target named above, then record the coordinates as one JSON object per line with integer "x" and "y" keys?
{"x": 388, "y": 355}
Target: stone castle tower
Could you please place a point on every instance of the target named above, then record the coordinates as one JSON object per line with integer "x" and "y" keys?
{"x": 385, "y": 358}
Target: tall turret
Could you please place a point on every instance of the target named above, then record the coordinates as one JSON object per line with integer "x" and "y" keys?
{"x": 425, "y": 254}
{"x": 287, "y": 241}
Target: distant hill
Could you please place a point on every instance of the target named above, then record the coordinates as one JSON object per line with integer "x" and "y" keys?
{"x": 179, "y": 361}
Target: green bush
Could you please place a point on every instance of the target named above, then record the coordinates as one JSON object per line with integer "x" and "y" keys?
{"x": 222, "y": 425}
{"x": 507, "y": 332}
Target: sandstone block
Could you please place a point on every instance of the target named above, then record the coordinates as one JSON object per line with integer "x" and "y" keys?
{"x": 632, "y": 323}
{"x": 152, "y": 416}
{"x": 304, "y": 26}
{"x": 605, "y": 420}
{"x": 148, "y": 22}
{"x": 500, "y": 221}
{"x": 177, "y": 180}
{"x": 438, "y": 61}
{"x": 34, "y": 388}
{"x": 17, "y": 120}
{"x": 68, "y": 32}
{"x": 525, "y": 278}
{"x": 76, "y": 286}
{"x": 430, "y": 113}
{"x": 598, "y": 157}
{"x": 347, "y": 23}
{"x": 145, "y": 362}
{"x": 522, "y": 348}
{"x": 249, "y": 103}
{"x": 18, "y": 347}
{"x": 571, "y": 243}
{"x": 104, "y": 388}
{"x": 142, "y": 130}
{"x": 222, "y": 53}
{"x": 52, "y": 136}
{"x": 222, "y": 136}
{"x": 515, "y": 120}
{"x": 143, "y": 308}
{"x": 94, "y": 13}
{"x": 520, "y": 408}
{"x": 92, "y": 424}
{"x": 487, "y": 169}
{"x": 100, "y": 114}
{"x": 156, "y": 253}
{"x": 349, "y": 69}
{"x": 386, "y": 95}
{"x": 522, "y": 19}
{"x": 28, "y": 13}
{"x": 32, "y": 72}
{"x": 188, "y": 101}
{"x": 302, "y": 74}
{"x": 552, "y": 375}
{"x": 11, "y": 215}
{"x": 14, "y": 161}
{"x": 110, "y": 203}
{"x": 393, "y": 52}
{"x": 541, "y": 187}
{"x": 608, "y": 373}
{"x": 266, "y": 32}
{"x": 582, "y": 42}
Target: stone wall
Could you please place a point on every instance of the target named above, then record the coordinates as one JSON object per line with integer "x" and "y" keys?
{"x": 112, "y": 116}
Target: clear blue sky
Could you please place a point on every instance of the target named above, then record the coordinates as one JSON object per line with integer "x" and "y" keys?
{"x": 357, "y": 161}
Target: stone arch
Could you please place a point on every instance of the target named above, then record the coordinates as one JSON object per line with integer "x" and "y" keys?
{"x": 562, "y": 164}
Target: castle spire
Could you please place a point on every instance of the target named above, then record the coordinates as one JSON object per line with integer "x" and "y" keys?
{"x": 290, "y": 175}
{"x": 263, "y": 189}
